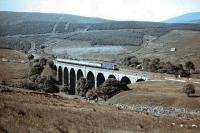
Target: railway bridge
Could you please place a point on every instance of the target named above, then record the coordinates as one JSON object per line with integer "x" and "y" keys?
{"x": 68, "y": 74}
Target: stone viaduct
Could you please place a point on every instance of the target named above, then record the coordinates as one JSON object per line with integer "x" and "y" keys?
{"x": 69, "y": 74}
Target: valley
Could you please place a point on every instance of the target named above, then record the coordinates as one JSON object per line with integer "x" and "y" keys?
{"x": 34, "y": 99}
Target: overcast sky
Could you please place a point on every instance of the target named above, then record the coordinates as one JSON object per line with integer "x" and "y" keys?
{"x": 142, "y": 10}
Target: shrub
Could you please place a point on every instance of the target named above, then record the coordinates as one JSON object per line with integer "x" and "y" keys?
{"x": 50, "y": 87}
{"x": 36, "y": 70}
{"x": 65, "y": 89}
{"x": 29, "y": 85}
{"x": 36, "y": 61}
{"x": 50, "y": 63}
{"x": 183, "y": 73}
{"x": 155, "y": 65}
{"x": 110, "y": 88}
{"x": 146, "y": 62}
{"x": 189, "y": 65}
{"x": 33, "y": 77}
{"x": 130, "y": 61}
{"x": 83, "y": 85}
{"x": 43, "y": 61}
{"x": 3, "y": 82}
{"x": 161, "y": 65}
{"x": 30, "y": 57}
{"x": 170, "y": 68}
{"x": 36, "y": 64}
{"x": 189, "y": 89}
{"x": 155, "y": 61}
{"x": 152, "y": 67}
{"x": 40, "y": 79}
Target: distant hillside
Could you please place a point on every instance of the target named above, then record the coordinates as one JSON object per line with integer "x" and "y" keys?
{"x": 10, "y": 18}
{"x": 15, "y": 23}
{"x": 111, "y": 37}
{"x": 186, "y": 43}
{"x": 196, "y": 21}
{"x": 186, "y": 18}
{"x": 20, "y": 30}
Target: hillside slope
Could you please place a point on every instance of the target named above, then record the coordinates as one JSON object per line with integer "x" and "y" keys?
{"x": 151, "y": 93}
{"x": 13, "y": 23}
{"x": 25, "y": 112}
{"x": 186, "y": 18}
{"x": 9, "y": 18}
{"x": 186, "y": 44}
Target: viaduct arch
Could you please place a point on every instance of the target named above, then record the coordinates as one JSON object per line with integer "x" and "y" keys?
{"x": 112, "y": 76}
{"x": 72, "y": 82}
{"x": 91, "y": 78}
{"x": 79, "y": 74}
{"x": 60, "y": 75}
{"x": 140, "y": 80}
{"x": 69, "y": 74}
{"x": 66, "y": 80}
{"x": 100, "y": 79}
{"x": 125, "y": 80}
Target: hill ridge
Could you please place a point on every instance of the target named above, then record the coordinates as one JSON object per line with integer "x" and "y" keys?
{"x": 193, "y": 17}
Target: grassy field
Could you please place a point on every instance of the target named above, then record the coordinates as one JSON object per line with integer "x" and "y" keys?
{"x": 29, "y": 112}
{"x": 13, "y": 69}
{"x": 164, "y": 93}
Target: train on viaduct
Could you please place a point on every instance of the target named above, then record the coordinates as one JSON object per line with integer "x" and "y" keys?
{"x": 70, "y": 71}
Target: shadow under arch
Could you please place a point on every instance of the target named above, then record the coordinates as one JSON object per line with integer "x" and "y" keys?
{"x": 140, "y": 80}
{"x": 66, "y": 75}
{"x": 111, "y": 76}
{"x": 60, "y": 75}
{"x": 79, "y": 74}
{"x": 91, "y": 78}
{"x": 125, "y": 80}
{"x": 72, "y": 82}
{"x": 100, "y": 79}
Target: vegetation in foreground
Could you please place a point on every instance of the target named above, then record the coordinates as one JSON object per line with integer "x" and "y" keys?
{"x": 30, "y": 112}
